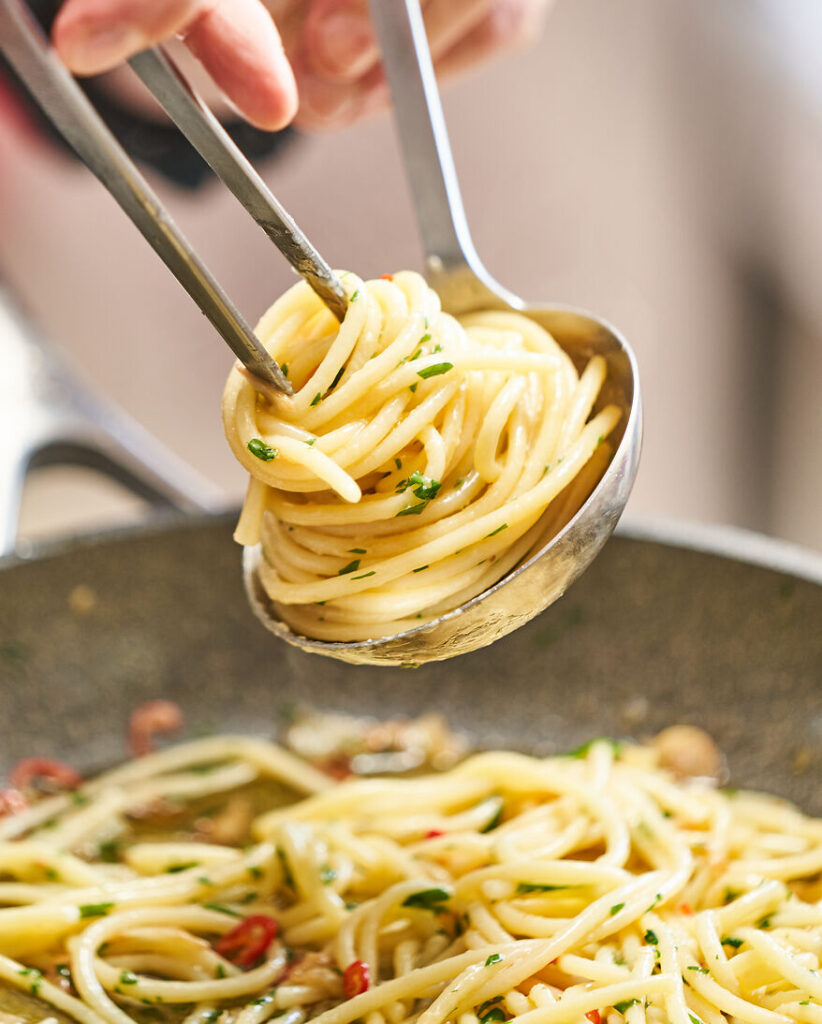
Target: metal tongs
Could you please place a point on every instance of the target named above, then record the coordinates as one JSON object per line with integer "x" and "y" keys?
{"x": 29, "y": 52}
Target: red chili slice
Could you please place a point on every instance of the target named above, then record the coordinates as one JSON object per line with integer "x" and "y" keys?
{"x": 356, "y": 979}
{"x": 594, "y": 1017}
{"x": 31, "y": 768}
{"x": 12, "y": 801}
{"x": 434, "y": 833}
{"x": 245, "y": 944}
{"x": 686, "y": 908}
{"x": 149, "y": 719}
{"x": 386, "y": 277}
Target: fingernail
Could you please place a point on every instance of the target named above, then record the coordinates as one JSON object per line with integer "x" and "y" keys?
{"x": 346, "y": 43}
{"x": 100, "y": 50}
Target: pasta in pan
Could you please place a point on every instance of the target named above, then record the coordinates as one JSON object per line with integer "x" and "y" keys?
{"x": 420, "y": 459}
{"x": 509, "y": 888}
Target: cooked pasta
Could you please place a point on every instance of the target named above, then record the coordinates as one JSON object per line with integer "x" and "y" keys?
{"x": 420, "y": 459}
{"x": 539, "y": 891}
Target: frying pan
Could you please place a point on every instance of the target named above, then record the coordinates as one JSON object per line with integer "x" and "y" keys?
{"x": 672, "y": 623}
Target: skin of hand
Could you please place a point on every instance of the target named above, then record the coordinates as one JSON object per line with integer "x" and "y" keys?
{"x": 314, "y": 62}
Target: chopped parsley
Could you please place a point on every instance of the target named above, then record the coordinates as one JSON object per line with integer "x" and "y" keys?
{"x": 427, "y": 899}
{"x": 494, "y": 958}
{"x": 351, "y": 567}
{"x": 424, "y": 487}
{"x": 732, "y": 940}
{"x": 355, "y": 296}
{"x": 94, "y": 909}
{"x": 255, "y": 871}
{"x": 413, "y": 387}
{"x": 495, "y": 820}
{"x": 357, "y": 551}
{"x": 261, "y": 450}
{"x": 583, "y": 749}
{"x": 128, "y": 978}
{"x": 398, "y": 463}
{"x": 526, "y": 887}
{"x": 495, "y": 1013}
{"x": 435, "y": 370}
{"x": 327, "y": 874}
{"x": 312, "y": 442}
{"x": 176, "y": 868}
{"x": 34, "y": 978}
{"x": 695, "y": 967}
{"x": 419, "y": 568}
{"x": 221, "y": 908}
{"x": 109, "y": 851}
{"x": 365, "y": 575}
{"x": 623, "y": 1006}
{"x": 317, "y": 398}
{"x": 615, "y": 909}
{"x": 499, "y": 529}
{"x": 336, "y": 380}
{"x": 694, "y": 1019}
{"x": 651, "y": 938}
{"x": 412, "y": 510}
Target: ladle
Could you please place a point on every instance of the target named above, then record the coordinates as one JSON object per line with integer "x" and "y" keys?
{"x": 454, "y": 270}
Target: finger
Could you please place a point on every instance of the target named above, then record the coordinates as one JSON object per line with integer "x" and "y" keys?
{"x": 240, "y": 47}
{"x": 236, "y": 41}
{"x": 340, "y": 44}
{"x": 92, "y": 36}
{"x": 509, "y": 24}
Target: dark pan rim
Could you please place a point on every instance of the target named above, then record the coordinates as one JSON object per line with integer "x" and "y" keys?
{"x": 731, "y": 542}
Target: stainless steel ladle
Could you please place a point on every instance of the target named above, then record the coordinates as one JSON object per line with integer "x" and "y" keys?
{"x": 454, "y": 270}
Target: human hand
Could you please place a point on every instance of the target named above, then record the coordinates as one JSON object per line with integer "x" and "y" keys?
{"x": 316, "y": 60}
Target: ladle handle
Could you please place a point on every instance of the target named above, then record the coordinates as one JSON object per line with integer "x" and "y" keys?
{"x": 453, "y": 267}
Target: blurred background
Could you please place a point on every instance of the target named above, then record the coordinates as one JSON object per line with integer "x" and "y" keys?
{"x": 655, "y": 161}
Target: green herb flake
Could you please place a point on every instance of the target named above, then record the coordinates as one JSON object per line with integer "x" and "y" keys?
{"x": 495, "y": 821}
{"x": 427, "y": 899}
{"x": 694, "y": 1019}
{"x": 255, "y": 871}
{"x": 615, "y": 909}
{"x": 128, "y": 978}
{"x": 79, "y": 799}
{"x": 355, "y": 296}
{"x": 413, "y": 387}
{"x": 494, "y": 958}
{"x": 351, "y": 567}
{"x": 764, "y": 922}
{"x": 264, "y": 452}
{"x": 204, "y": 880}
{"x": 622, "y": 1007}
{"x": 284, "y": 368}
{"x": 109, "y": 851}
{"x": 365, "y": 575}
{"x": 412, "y": 510}
{"x": 494, "y": 1014}
{"x": 435, "y": 370}
{"x": 695, "y": 967}
{"x": 221, "y": 908}
{"x": 584, "y": 748}
{"x": 337, "y": 378}
{"x": 327, "y": 874}
{"x": 527, "y": 887}
{"x": 357, "y": 551}
{"x": 312, "y": 442}
{"x": 317, "y": 398}
{"x": 730, "y": 895}
{"x": 398, "y": 463}
{"x": 424, "y": 487}
{"x": 651, "y": 938}
{"x": 177, "y": 868}
{"x": 288, "y": 877}
{"x": 732, "y": 940}
{"x": 220, "y": 971}
{"x": 499, "y": 529}
{"x": 34, "y": 977}
{"x": 94, "y": 909}
{"x": 64, "y": 971}
{"x": 419, "y": 568}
